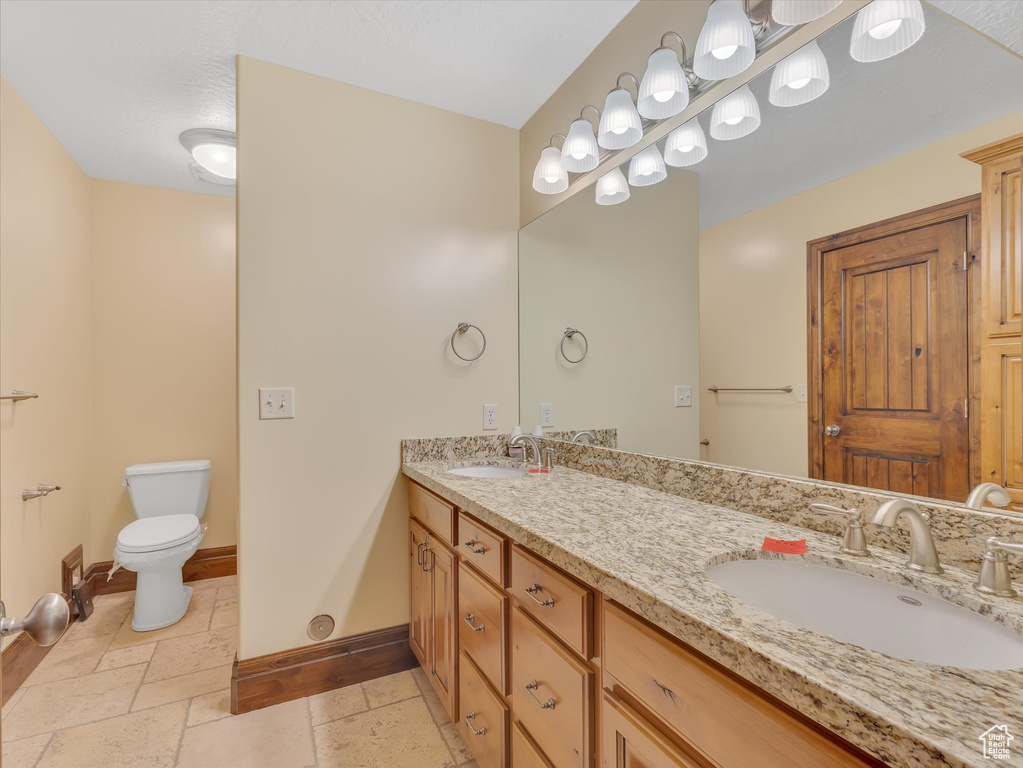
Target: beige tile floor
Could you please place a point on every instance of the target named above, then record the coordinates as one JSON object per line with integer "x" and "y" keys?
{"x": 108, "y": 697}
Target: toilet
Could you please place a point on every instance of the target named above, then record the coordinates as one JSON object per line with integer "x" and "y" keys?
{"x": 169, "y": 500}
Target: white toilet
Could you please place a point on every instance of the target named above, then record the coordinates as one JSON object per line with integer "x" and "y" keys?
{"x": 169, "y": 499}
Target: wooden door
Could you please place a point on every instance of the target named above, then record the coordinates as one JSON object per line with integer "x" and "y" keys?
{"x": 894, "y": 360}
{"x": 442, "y": 655}
{"x": 419, "y": 593}
{"x": 629, "y": 741}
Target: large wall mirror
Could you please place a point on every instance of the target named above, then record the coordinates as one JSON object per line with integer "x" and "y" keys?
{"x": 836, "y": 294}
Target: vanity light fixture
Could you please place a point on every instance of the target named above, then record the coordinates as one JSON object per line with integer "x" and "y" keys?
{"x": 664, "y": 91}
{"x": 580, "y": 152}
{"x": 800, "y": 77}
{"x": 620, "y": 124}
{"x": 686, "y": 145}
{"x": 612, "y": 188}
{"x": 550, "y": 177}
{"x": 647, "y": 168}
{"x": 726, "y": 45}
{"x": 213, "y": 150}
{"x": 886, "y": 28}
{"x": 735, "y": 116}
{"x": 791, "y": 12}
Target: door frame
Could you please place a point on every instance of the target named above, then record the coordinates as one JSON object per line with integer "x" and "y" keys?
{"x": 966, "y": 208}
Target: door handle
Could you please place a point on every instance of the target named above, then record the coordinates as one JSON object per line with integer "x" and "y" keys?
{"x": 832, "y": 430}
{"x": 45, "y": 623}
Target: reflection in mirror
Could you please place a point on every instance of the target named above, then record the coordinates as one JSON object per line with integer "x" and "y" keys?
{"x": 835, "y": 293}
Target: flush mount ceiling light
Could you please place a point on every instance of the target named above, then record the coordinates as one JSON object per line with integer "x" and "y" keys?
{"x": 647, "y": 168}
{"x": 580, "y": 152}
{"x": 886, "y": 28}
{"x": 800, "y": 77}
{"x": 664, "y": 91}
{"x": 620, "y": 124}
{"x": 735, "y": 116}
{"x": 792, "y": 12}
{"x": 612, "y": 188}
{"x": 726, "y": 45}
{"x": 212, "y": 149}
{"x": 550, "y": 177}
{"x": 686, "y": 145}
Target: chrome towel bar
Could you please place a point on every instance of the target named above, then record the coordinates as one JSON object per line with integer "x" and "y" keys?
{"x": 16, "y": 394}
{"x": 716, "y": 388}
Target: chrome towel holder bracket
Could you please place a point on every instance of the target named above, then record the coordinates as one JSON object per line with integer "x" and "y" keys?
{"x": 462, "y": 328}
{"x": 568, "y": 334}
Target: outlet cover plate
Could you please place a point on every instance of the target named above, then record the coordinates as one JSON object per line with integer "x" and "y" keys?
{"x": 683, "y": 396}
{"x": 546, "y": 414}
{"x": 277, "y": 403}
{"x": 489, "y": 416}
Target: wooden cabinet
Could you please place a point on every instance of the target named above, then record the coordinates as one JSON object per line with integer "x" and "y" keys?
{"x": 484, "y": 548}
{"x": 629, "y": 741}
{"x": 419, "y": 593}
{"x": 442, "y": 649}
{"x": 483, "y": 717}
{"x": 483, "y": 626}
{"x": 555, "y": 599}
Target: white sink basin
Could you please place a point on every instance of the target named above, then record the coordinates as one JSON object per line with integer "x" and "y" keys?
{"x": 489, "y": 471}
{"x": 871, "y": 613}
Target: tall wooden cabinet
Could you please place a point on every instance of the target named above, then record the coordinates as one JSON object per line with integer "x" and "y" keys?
{"x": 1001, "y": 311}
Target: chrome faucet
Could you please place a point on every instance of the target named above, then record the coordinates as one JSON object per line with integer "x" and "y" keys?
{"x": 528, "y": 441}
{"x": 994, "y": 577}
{"x": 590, "y": 437}
{"x": 923, "y": 556}
{"x": 988, "y": 492}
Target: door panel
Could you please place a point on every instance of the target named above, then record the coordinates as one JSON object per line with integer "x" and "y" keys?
{"x": 419, "y": 593}
{"x": 443, "y": 652}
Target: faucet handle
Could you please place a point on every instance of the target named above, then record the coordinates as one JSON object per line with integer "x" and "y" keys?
{"x": 854, "y": 542}
{"x": 994, "y": 577}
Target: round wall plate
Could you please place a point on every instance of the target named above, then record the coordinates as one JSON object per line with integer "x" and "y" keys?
{"x": 320, "y": 627}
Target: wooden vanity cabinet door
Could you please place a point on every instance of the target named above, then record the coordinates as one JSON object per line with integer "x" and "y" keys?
{"x": 556, "y": 600}
{"x": 483, "y": 625}
{"x": 629, "y": 741}
{"x": 524, "y": 753}
{"x": 483, "y": 717}
{"x": 442, "y": 653}
{"x": 419, "y": 593}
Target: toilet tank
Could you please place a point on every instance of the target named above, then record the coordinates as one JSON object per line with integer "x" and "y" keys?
{"x": 169, "y": 488}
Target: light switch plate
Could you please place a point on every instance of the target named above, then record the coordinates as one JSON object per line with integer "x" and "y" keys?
{"x": 683, "y": 396}
{"x": 801, "y": 393}
{"x": 277, "y": 403}
{"x": 546, "y": 414}
{"x": 489, "y": 416}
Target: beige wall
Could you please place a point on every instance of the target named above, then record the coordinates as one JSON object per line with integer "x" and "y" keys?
{"x": 163, "y": 348}
{"x": 368, "y": 227}
{"x": 626, "y": 276}
{"x": 753, "y": 291}
{"x": 44, "y": 347}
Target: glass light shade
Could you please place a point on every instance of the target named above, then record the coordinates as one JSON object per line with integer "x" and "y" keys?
{"x": 550, "y": 178}
{"x": 791, "y": 12}
{"x": 664, "y": 91}
{"x": 686, "y": 145}
{"x": 726, "y": 46}
{"x": 612, "y": 188}
{"x": 800, "y": 77}
{"x": 580, "y": 152}
{"x": 216, "y": 158}
{"x": 735, "y": 116}
{"x": 647, "y": 167}
{"x": 886, "y": 28}
{"x": 620, "y": 123}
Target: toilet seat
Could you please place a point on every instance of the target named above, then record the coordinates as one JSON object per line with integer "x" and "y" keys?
{"x": 152, "y": 534}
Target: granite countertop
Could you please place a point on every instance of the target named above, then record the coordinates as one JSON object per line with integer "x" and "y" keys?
{"x": 650, "y": 551}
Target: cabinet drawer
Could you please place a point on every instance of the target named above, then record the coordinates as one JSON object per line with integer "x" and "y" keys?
{"x": 482, "y": 623}
{"x": 552, "y": 694}
{"x": 524, "y": 753}
{"x": 432, "y": 511}
{"x": 705, "y": 706}
{"x": 555, "y": 599}
{"x": 483, "y": 547}
{"x": 483, "y": 717}
{"x": 629, "y": 741}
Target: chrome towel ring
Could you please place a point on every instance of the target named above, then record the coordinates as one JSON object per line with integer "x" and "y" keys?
{"x": 462, "y": 328}
{"x": 569, "y": 333}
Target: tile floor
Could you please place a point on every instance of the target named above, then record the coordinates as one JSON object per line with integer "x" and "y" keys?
{"x": 108, "y": 697}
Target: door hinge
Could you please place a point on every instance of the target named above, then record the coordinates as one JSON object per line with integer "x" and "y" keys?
{"x": 966, "y": 260}
{"x": 966, "y": 408}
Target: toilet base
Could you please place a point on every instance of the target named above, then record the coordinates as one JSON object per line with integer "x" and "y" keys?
{"x": 160, "y": 599}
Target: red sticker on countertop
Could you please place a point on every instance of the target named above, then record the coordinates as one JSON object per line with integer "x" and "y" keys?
{"x": 783, "y": 546}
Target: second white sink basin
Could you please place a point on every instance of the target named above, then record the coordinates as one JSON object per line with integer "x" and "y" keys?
{"x": 489, "y": 471}
{"x": 871, "y": 613}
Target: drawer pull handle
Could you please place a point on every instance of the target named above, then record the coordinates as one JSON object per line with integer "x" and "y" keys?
{"x": 531, "y": 591}
{"x": 425, "y": 569}
{"x": 532, "y": 686}
{"x": 471, "y": 544}
{"x": 472, "y": 716}
{"x": 419, "y": 553}
{"x": 469, "y": 619}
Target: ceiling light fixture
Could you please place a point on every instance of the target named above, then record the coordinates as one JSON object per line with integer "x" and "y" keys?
{"x": 726, "y": 45}
{"x": 580, "y": 152}
{"x": 620, "y": 124}
{"x": 886, "y": 28}
{"x": 686, "y": 145}
{"x": 735, "y": 116}
{"x": 612, "y": 188}
{"x": 800, "y": 77}
{"x": 792, "y": 12}
{"x": 647, "y": 168}
{"x": 664, "y": 91}
{"x": 212, "y": 149}
{"x": 550, "y": 177}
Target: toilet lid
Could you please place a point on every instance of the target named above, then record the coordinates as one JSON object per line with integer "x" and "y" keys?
{"x": 153, "y": 533}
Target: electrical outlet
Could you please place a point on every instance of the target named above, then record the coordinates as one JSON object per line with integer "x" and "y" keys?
{"x": 277, "y": 403}
{"x": 683, "y": 396}
{"x": 489, "y": 416}
{"x": 546, "y": 414}
{"x": 801, "y": 393}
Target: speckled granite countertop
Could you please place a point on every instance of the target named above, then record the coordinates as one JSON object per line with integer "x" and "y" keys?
{"x": 650, "y": 551}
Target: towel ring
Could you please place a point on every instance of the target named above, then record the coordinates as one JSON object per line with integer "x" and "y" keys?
{"x": 569, "y": 333}
{"x": 462, "y": 328}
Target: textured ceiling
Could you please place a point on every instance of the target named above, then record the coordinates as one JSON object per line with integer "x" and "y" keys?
{"x": 116, "y": 82}
{"x": 1001, "y": 20}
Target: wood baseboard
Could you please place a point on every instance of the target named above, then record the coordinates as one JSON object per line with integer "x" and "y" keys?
{"x": 209, "y": 563}
{"x": 279, "y": 677}
{"x": 20, "y": 657}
